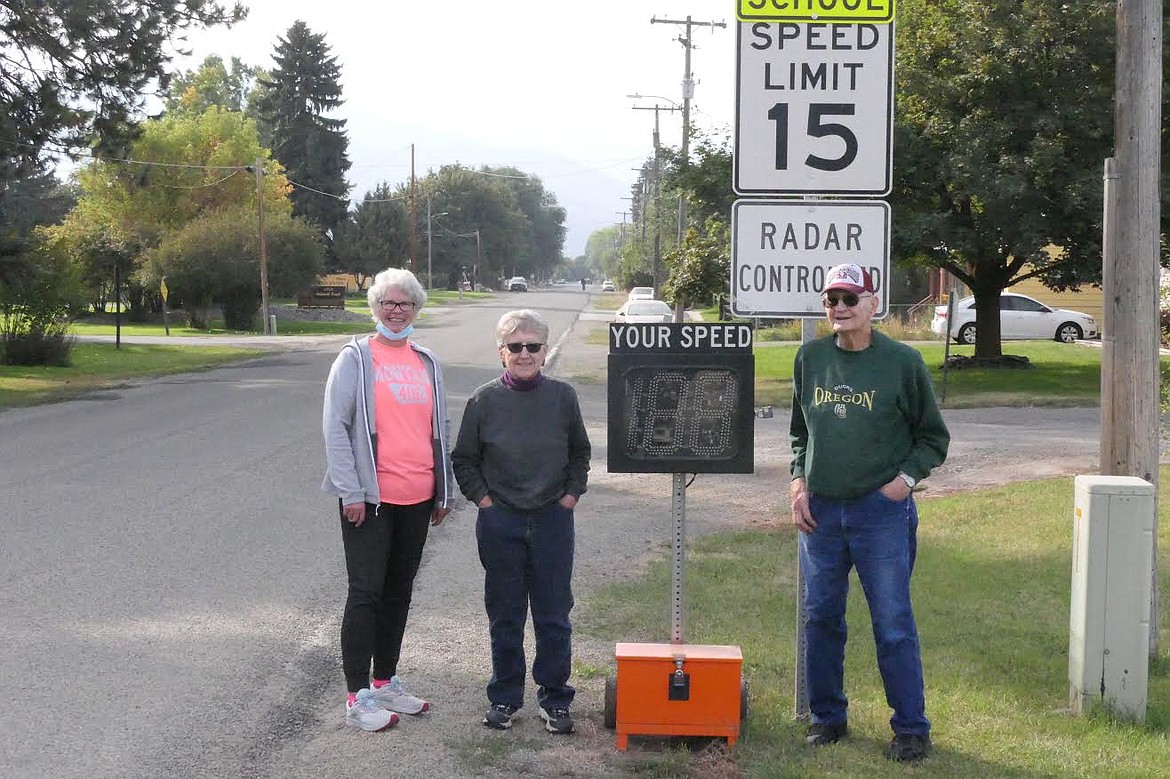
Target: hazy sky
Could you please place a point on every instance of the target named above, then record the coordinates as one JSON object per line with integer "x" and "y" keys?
{"x": 536, "y": 84}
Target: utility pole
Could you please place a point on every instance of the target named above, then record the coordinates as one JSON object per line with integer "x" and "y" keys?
{"x": 656, "y": 272}
{"x": 263, "y": 245}
{"x": 688, "y": 90}
{"x": 1130, "y": 330}
{"x": 413, "y": 214}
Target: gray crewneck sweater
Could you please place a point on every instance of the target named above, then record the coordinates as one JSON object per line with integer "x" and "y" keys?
{"x": 526, "y": 449}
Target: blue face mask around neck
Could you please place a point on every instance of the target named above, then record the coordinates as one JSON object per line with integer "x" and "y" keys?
{"x": 393, "y": 336}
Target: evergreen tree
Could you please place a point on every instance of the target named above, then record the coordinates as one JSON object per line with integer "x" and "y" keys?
{"x": 74, "y": 72}
{"x": 302, "y": 88}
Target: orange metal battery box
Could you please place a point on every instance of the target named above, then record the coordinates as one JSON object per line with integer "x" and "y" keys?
{"x": 678, "y": 690}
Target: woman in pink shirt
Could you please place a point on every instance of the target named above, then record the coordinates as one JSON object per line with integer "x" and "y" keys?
{"x": 387, "y": 452}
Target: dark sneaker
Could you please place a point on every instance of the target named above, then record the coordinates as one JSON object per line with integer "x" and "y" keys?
{"x": 556, "y": 720}
{"x": 499, "y": 716}
{"x": 908, "y": 747}
{"x": 820, "y": 734}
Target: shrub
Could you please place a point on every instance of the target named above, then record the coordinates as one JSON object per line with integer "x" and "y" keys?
{"x": 37, "y": 307}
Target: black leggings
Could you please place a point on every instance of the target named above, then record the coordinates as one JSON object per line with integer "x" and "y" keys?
{"x": 381, "y": 558}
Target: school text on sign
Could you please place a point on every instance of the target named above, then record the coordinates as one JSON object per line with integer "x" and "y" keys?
{"x": 876, "y": 11}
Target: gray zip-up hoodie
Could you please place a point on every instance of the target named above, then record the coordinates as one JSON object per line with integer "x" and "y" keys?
{"x": 347, "y": 421}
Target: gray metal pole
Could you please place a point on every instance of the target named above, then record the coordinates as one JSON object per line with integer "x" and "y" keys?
{"x": 679, "y": 511}
{"x": 808, "y": 331}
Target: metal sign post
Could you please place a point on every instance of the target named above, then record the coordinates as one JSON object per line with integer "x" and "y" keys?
{"x": 679, "y": 511}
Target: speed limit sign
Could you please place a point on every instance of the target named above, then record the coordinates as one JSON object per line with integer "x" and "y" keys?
{"x": 814, "y": 110}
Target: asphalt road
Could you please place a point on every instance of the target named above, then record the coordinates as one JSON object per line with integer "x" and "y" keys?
{"x": 171, "y": 577}
{"x": 169, "y": 569}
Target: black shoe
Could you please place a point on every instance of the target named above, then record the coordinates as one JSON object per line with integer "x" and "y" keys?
{"x": 556, "y": 720}
{"x": 820, "y": 735}
{"x": 499, "y": 716}
{"x": 908, "y": 747}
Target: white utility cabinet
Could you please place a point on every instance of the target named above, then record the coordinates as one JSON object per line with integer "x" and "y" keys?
{"x": 1109, "y": 624}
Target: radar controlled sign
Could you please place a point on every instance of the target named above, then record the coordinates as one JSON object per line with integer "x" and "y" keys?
{"x": 680, "y": 398}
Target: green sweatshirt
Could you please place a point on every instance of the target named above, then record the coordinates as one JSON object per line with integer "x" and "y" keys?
{"x": 858, "y": 418}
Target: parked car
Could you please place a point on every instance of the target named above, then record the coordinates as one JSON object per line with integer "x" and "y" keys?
{"x": 1020, "y": 317}
{"x": 607, "y": 286}
{"x": 641, "y": 293}
{"x": 644, "y": 311}
{"x": 517, "y": 284}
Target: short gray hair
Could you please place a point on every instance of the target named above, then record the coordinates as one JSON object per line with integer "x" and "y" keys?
{"x": 394, "y": 278}
{"x": 524, "y": 319}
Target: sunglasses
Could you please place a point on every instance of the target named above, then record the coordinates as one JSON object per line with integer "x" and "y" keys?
{"x": 517, "y": 348}
{"x": 401, "y": 305}
{"x": 850, "y": 299}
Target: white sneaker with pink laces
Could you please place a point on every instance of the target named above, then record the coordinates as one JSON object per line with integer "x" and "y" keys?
{"x": 366, "y": 713}
{"x": 393, "y": 696}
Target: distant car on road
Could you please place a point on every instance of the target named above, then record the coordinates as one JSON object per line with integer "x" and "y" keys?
{"x": 641, "y": 293}
{"x": 644, "y": 311}
{"x": 1020, "y": 318}
{"x": 517, "y": 284}
{"x": 607, "y": 286}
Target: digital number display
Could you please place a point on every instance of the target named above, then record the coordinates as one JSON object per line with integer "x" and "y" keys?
{"x": 681, "y": 399}
{"x": 681, "y": 413}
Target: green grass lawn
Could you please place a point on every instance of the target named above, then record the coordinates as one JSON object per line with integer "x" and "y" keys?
{"x": 100, "y": 365}
{"x": 1059, "y": 375}
{"x": 991, "y": 596}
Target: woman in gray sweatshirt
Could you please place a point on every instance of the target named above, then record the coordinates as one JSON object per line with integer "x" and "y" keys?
{"x": 386, "y": 447}
{"x": 522, "y": 456}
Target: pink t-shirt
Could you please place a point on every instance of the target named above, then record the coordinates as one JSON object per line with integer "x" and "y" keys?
{"x": 404, "y": 404}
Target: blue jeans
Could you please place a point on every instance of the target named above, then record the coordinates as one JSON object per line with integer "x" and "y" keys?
{"x": 879, "y": 537}
{"x": 527, "y": 560}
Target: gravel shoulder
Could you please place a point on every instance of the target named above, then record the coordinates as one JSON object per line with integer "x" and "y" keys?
{"x": 624, "y": 520}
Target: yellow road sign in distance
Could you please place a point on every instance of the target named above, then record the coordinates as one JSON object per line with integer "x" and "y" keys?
{"x": 872, "y": 11}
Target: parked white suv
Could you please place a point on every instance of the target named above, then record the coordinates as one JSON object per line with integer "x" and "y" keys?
{"x": 517, "y": 284}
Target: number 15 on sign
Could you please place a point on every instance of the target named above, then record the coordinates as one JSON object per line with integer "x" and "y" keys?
{"x": 814, "y": 109}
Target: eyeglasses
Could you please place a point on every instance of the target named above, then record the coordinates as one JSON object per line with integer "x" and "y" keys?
{"x": 517, "y": 348}
{"x": 848, "y": 298}
{"x": 400, "y": 305}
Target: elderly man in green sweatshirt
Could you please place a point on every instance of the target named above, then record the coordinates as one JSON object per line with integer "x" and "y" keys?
{"x": 865, "y": 429}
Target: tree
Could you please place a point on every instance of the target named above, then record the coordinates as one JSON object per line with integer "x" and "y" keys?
{"x": 212, "y": 84}
{"x": 74, "y": 73}
{"x": 216, "y": 259}
{"x": 303, "y": 87}
{"x": 476, "y": 203}
{"x": 699, "y": 269}
{"x": 189, "y": 165}
{"x": 1004, "y": 115}
{"x": 545, "y": 239}
{"x": 378, "y": 235}
{"x": 37, "y": 307}
{"x": 186, "y": 164}
{"x": 25, "y": 204}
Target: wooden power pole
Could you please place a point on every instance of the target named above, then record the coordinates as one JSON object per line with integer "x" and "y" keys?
{"x": 1130, "y": 398}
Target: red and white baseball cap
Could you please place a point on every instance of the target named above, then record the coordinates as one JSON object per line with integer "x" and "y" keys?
{"x": 849, "y": 277}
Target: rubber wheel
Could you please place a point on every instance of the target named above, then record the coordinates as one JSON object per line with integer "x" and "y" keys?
{"x": 1069, "y": 332}
{"x": 609, "y": 715}
{"x": 966, "y": 334}
{"x": 744, "y": 704}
